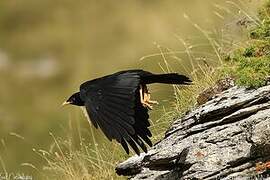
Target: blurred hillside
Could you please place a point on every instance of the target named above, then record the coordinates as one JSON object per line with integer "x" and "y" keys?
{"x": 48, "y": 48}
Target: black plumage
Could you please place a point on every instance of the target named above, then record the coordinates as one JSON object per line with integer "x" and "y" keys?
{"x": 114, "y": 104}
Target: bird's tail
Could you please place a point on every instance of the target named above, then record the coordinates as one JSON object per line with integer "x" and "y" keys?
{"x": 171, "y": 78}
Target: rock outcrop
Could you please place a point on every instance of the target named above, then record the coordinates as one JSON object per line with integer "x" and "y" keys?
{"x": 227, "y": 137}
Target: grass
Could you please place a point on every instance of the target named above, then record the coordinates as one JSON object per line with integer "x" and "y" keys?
{"x": 248, "y": 64}
{"x": 80, "y": 43}
{"x": 70, "y": 158}
{"x": 65, "y": 162}
{"x": 86, "y": 162}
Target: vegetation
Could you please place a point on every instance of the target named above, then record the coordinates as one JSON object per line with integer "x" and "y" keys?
{"x": 250, "y": 65}
{"x": 45, "y": 56}
{"x": 76, "y": 158}
{"x": 64, "y": 161}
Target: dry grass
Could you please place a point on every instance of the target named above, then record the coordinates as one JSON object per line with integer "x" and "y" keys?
{"x": 95, "y": 162}
{"x": 66, "y": 160}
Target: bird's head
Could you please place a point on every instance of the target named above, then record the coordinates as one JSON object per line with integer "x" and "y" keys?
{"x": 74, "y": 99}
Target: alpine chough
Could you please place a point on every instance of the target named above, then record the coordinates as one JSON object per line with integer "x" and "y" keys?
{"x": 119, "y": 103}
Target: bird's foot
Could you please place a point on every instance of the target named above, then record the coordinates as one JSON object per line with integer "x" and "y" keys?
{"x": 147, "y": 105}
{"x": 152, "y": 102}
{"x": 145, "y": 98}
{"x": 146, "y": 102}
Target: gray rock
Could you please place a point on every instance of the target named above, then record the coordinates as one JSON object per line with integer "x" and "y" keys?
{"x": 222, "y": 139}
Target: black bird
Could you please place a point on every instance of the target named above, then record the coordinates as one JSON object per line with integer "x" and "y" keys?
{"x": 119, "y": 103}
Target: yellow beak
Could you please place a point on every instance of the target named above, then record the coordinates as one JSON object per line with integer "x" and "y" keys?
{"x": 65, "y": 103}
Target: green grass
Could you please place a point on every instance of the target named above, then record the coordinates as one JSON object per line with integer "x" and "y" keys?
{"x": 250, "y": 65}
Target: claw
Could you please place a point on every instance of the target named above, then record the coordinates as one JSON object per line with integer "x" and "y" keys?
{"x": 152, "y": 102}
{"x": 145, "y": 97}
{"x": 147, "y": 105}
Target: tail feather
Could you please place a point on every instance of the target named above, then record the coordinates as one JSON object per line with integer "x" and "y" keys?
{"x": 171, "y": 78}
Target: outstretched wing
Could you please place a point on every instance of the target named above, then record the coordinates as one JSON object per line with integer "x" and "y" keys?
{"x": 113, "y": 104}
